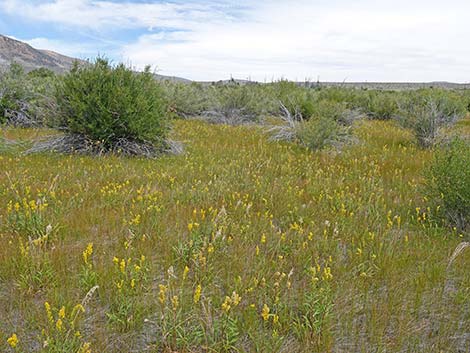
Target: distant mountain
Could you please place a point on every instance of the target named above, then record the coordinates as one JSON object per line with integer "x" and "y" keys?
{"x": 171, "y": 78}
{"x": 31, "y": 58}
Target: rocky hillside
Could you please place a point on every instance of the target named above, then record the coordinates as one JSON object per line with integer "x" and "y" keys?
{"x": 31, "y": 58}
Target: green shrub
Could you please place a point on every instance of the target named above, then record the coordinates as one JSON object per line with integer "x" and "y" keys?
{"x": 319, "y": 132}
{"x": 336, "y": 111}
{"x": 298, "y": 100}
{"x": 42, "y": 73}
{"x": 341, "y": 95}
{"x": 448, "y": 182}
{"x": 106, "y": 104}
{"x": 380, "y": 105}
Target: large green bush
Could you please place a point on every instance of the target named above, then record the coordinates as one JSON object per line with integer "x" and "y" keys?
{"x": 448, "y": 182}
{"x": 106, "y": 104}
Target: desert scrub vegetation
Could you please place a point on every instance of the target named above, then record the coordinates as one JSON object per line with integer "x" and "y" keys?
{"x": 25, "y": 98}
{"x": 104, "y": 108}
{"x": 426, "y": 111}
{"x": 241, "y": 244}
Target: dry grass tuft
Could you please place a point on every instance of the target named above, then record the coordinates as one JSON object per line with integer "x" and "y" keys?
{"x": 79, "y": 144}
{"x": 458, "y": 250}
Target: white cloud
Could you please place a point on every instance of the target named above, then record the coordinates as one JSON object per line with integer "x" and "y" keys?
{"x": 362, "y": 40}
{"x": 78, "y": 50}
{"x": 303, "y": 40}
{"x": 108, "y": 15}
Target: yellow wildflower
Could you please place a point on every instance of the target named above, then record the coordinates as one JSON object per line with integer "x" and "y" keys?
{"x": 85, "y": 348}
{"x": 327, "y": 273}
{"x": 122, "y": 265}
{"x": 13, "y": 340}
{"x": 162, "y": 293}
{"x": 32, "y": 205}
{"x": 275, "y": 319}
{"x": 59, "y": 325}
{"x": 226, "y": 304}
{"x": 62, "y": 312}
{"x": 236, "y": 299}
{"x": 265, "y": 312}
{"x": 197, "y": 294}
{"x": 49, "y": 312}
{"x": 175, "y": 302}
{"x": 185, "y": 272}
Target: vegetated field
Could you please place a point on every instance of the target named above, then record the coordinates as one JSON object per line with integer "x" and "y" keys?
{"x": 240, "y": 244}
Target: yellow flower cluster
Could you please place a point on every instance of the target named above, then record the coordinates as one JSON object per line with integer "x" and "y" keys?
{"x": 87, "y": 254}
{"x": 231, "y": 302}
{"x": 113, "y": 188}
{"x": 13, "y": 340}
{"x": 129, "y": 273}
{"x": 162, "y": 293}
{"x": 26, "y": 206}
{"x": 197, "y": 294}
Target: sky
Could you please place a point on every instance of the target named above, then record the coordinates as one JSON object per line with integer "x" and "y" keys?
{"x": 326, "y": 40}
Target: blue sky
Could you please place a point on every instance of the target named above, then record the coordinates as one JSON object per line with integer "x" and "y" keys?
{"x": 336, "y": 40}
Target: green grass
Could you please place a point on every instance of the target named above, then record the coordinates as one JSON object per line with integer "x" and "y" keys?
{"x": 294, "y": 251}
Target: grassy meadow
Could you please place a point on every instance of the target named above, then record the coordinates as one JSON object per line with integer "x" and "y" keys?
{"x": 240, "y": 244}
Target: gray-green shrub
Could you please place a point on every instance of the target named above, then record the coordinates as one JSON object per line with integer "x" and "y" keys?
{"x": 26, "y": 99}
{"x": 427, "y": 112}
{"x": 188, "y": 100}
{"x": 326, "y": 126}
{"x": 13, "y": 90}
{"x": 319, "y": 132}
